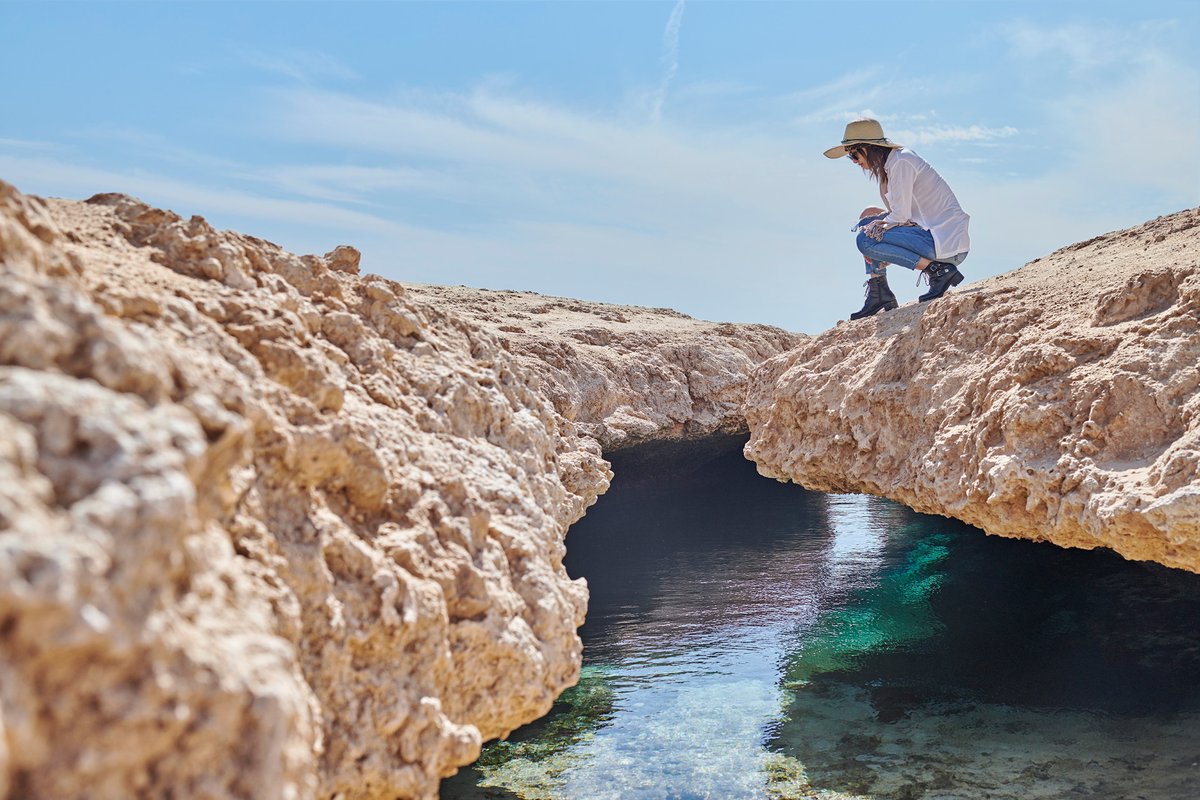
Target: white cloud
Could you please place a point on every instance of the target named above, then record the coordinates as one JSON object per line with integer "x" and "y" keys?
{"x": 848, "y": 97}
{"x": 1138, "y": 134}
{"x": 1087, "y": 46}
{"x": 74, "y": 180}
{"x": 840, "y": 86}
{"x": 1084, "y": 46}
{"x": 1123, "y": 119}
{"x": 348, "y": 183}
{"x": 941, "y": 133}
{"x": 670, "y": 60}
{"x": 714, "y": 90}
{"x": 297, "y": 64}
{"x": 526, "y": 143}
{"x": 855, "y": 95}
{"x": 152, "y": 146}
{"x": 26, "y": 144}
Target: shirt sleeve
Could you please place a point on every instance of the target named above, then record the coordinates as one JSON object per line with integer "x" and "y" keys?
{"x": 900, "y": 192}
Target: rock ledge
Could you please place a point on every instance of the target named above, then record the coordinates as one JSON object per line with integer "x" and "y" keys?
{"x": 1059, "y": 402}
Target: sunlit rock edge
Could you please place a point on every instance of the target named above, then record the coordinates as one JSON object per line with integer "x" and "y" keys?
{"x": 1057, "y": 402}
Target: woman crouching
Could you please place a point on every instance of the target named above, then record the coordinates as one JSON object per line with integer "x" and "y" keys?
{"x": 922, "y": 227}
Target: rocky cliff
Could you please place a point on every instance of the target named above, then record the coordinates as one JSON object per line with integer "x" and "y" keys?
{"x": 271, "y": 529}
{"x": 626, "y": 376}
{"x": 1059, "y": 402}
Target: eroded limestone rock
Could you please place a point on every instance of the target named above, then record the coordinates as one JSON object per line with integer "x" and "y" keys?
{"x": 625, "y": 375}
{"x": 267, "y": 529}
{"x": 271, "y": 529}
{"x": 1059, "y": 402}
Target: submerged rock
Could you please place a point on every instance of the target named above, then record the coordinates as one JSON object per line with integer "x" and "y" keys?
{"x": 1059, "y": 402}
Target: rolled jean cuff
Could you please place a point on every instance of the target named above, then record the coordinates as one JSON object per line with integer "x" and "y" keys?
{"x": 865, "y": 221}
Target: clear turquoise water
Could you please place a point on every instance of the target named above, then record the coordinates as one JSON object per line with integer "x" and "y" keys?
{"x": 747, "y": 639}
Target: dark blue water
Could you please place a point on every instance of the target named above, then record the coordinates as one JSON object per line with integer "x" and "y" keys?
{"x": 747, "y": 639}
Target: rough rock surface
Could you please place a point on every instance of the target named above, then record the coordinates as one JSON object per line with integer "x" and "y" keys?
{"x": 625, "y": 375}
{"x": 271, "y": 529}
{"x": 268, "y": 529}
{"x": 1058, "y": 402}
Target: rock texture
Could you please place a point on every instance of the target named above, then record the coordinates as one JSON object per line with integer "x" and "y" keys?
{"x": 1059, "y": 402}
{"x": 267, "y": 529}
{"x": 271, "y": 529}
{"x": 625, "y": 375}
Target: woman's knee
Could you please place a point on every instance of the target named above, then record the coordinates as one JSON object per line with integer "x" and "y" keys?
{"x": 871, "y": 211}
{"x": 863, "y": 242}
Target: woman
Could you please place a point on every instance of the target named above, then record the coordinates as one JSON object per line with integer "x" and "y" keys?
{"x": 922, "y": 227}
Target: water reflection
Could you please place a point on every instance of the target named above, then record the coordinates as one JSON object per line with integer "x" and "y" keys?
{"x": 749, "y": 639}
{"x": 1000, "y": 669}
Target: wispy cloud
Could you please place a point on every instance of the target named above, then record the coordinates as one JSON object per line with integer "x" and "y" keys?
{"x": 849, "y": 96}
{"x": 670, "y": 60}
{"x": 349, "y": 183}
{"x": 26, "y": 144}
{"x": 849, "y": 83}
{"x": 1123, "y": 99}
{"x": 516, "y": 159}
{"x": 941, "y": 133}
{"x": 188, "y": 197}
{"x": 1085, "y": 46}
{"x": 297, "y": 64}
{"x": 1141, "y": 131}
{"x": 714, "y": 90}
{"x": 152, "y": 146}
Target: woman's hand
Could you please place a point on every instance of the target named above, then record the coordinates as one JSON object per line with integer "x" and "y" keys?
{"x": 875, "y": 229}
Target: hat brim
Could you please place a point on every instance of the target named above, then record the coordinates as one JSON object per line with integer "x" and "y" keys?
{"x": 840, "y": 150}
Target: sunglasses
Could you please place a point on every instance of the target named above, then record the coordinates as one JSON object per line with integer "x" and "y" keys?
{"x": 854, "y": 155}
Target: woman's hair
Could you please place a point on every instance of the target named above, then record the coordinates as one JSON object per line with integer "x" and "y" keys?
{"x": 874, "y": 157}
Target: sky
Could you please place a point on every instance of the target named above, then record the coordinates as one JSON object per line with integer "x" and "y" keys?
{"x": 662, "y": 154}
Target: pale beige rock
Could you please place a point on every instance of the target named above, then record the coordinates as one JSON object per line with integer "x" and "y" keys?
{"x": 267, "y": 529}
{"x": 271, "y": 529}
{"x": 625, "y": 375}
{"x": 1059, "y": 402}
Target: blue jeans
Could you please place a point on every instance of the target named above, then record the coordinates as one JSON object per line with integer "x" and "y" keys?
{"x": 905, "y": 246}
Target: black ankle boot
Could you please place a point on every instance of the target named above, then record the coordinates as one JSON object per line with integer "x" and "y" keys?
{"x": 941, "y": 277}
{"x": 879, "y": 298}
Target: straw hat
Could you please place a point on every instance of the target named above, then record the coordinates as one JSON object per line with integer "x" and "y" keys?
{"x": 861, "y": 131}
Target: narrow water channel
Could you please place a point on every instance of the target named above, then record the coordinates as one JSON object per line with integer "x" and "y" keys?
{"x": 747, "y": 639}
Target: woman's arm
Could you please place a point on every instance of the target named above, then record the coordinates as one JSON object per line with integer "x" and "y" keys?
{"x": 901, "y": 175}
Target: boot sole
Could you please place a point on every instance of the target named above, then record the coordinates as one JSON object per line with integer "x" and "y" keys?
{"x": 891, "y": 305}
{"x": 954, "y": 281}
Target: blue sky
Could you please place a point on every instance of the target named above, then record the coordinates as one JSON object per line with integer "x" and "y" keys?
{"x": 647, "y": 153}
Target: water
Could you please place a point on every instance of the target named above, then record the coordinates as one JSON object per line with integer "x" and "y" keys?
{"x": 747, "y": 639}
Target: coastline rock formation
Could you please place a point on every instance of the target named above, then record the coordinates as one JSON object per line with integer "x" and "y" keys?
{"x": 271, "y": 529}
{"x": 1059, "y": 402}
{"x": 625, "y": 376}
{"x": 268, "y": 529}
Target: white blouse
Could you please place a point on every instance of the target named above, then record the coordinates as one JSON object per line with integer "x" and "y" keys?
{"x": 916, "y": 193}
